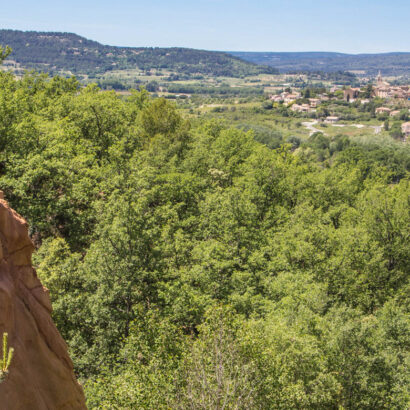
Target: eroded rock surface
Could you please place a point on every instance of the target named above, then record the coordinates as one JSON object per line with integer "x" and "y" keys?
{"x": 41, "y": 374}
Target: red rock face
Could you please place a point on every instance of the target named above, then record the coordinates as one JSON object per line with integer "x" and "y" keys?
{"x": 41, "y": 372}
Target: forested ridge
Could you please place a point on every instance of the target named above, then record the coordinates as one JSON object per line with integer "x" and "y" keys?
{"x": 191, "y": 266}
{"x": 54, "y": 51}
{"x": 388, "y": 63}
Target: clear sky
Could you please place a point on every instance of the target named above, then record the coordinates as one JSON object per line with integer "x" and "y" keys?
{"x": 352, "y": 26}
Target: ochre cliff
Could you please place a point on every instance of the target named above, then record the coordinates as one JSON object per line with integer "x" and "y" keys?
{"x": 41, "y": 372}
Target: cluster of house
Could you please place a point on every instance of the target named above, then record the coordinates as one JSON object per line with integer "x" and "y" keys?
{"x": 302, "y": 108}
{"x": 290, "y": 98}
{"x": 381, "y": 89}
{"x": 388, "y": 111}
{"x": 286, "y": 97}
{"x": 385, "y": 90}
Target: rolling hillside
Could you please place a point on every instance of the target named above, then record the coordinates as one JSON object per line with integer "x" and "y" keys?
{"x": 388, "y": 63}
{"x": 53, "y": 51}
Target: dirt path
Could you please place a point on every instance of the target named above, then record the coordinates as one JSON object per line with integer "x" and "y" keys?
{"x": 310, "y": 126}
{"x": 377, "y": 128}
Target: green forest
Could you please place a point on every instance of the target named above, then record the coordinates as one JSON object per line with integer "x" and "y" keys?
{"x": 388, "y": 63}
{"x": 191, "y": 266}
{"x": 54, "y": 52}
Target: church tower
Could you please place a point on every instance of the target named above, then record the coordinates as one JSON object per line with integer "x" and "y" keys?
{"x": 379, "y": 79}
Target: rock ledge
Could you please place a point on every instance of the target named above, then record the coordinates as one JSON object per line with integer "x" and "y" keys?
{"x": 41, "y": 374}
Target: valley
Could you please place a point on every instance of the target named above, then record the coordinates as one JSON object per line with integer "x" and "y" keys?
{"x": 199, "y": 231}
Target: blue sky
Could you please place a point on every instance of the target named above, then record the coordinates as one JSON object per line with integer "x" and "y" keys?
{"x": 353, "y": 26}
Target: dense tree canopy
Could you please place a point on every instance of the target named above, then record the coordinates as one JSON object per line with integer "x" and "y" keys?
{"x": 191, "y": 266}
{"x": 68, "y": 52}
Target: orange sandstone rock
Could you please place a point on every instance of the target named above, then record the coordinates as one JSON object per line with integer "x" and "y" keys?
{"x": 41, "y": 374}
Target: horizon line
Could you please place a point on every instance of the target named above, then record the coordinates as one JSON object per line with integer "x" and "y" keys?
{"x": 209, "y": 49}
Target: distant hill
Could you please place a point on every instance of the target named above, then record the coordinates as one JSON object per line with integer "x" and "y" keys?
{"x": 53, "y": 51}
{"x": 388, "y": 63}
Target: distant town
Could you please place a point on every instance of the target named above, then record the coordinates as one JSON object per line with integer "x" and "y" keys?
{"x": 388, "y": 101}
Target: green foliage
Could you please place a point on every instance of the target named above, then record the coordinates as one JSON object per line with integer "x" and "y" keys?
{"x": 224, "y": 90}
{"x": 47, "y": 51}
{"x": 331, "y": 66}
{"x": 395, "y": 130}
{"x": 192, "y": 266}
{"x": 218, "y": 372}
{"x": 7, "y": 357}
{"x": 4, "y": 53}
